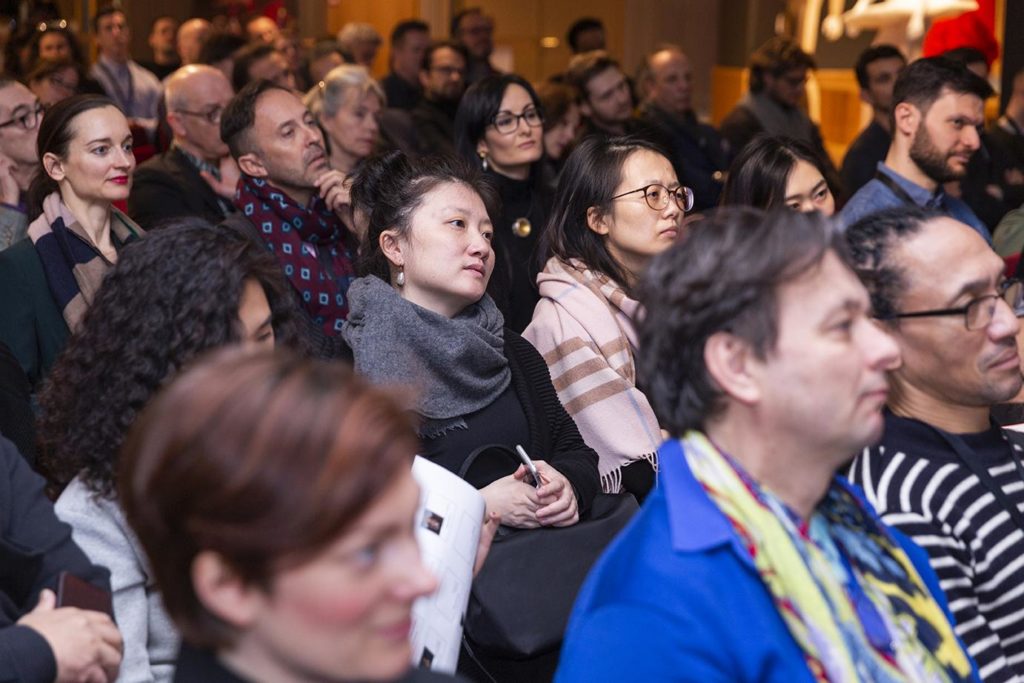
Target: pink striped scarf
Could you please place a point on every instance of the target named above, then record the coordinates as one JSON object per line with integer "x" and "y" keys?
{"x": 583, "y": 327}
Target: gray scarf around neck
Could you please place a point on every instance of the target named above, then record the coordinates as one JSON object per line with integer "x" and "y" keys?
{"x": 779, "y": 120}
{"x": 458, "y": 364}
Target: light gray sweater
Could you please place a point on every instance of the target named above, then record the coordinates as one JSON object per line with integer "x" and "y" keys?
{"x": 99, "y": 528}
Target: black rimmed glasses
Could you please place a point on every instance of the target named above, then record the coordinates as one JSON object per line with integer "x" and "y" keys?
{"x": 657, "y": 195}
{"x": 27, "y": 120}
{"x": 211, "y": 115}
{"x": 978, "y": 313}
{"x": 506, "y": 122}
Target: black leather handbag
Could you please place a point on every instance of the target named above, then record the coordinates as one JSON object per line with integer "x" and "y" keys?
{"x": 520, "y": 601}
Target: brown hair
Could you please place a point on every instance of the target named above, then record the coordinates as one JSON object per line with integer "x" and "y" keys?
{"x": 262, "y": 458}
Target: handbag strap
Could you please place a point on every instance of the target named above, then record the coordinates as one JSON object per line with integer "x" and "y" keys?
{"x": 981, "y": 472}
{"x": 486, "y": 448}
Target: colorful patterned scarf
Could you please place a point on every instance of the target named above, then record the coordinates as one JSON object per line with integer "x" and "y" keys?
{"x": 312, "y": 244}
{"x": 73, "y": 266}
{"x": 848, "y": 593}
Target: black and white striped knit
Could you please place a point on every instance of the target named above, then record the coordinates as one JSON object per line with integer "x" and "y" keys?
{"x": 920, "y": 486}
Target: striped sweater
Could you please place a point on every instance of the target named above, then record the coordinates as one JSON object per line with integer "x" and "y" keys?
{"x": 919, "y": 485}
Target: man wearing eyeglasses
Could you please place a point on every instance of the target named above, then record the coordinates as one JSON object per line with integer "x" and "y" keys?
{"x": 20, "y": 113}
{"x": 196, "y": 176}
{"x": 945, "y": 473}
{"x": 443, "y": 77}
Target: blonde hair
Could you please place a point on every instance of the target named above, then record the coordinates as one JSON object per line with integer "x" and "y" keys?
{"x": 327, "y": 97}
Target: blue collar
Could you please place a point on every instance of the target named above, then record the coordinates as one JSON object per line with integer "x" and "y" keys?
{"x": 921, "y": 196}
{"x": 695, "y": 522}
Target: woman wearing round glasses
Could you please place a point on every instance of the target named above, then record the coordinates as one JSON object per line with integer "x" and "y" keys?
{"x": 499, "y": 125}
{"x": 774, "y": 171}
{"x": 618, "y": 204}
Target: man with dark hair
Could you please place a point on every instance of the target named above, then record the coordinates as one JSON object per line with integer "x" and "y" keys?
{"x": 944, "y": 473}
{"x": 219, "y": 50}
{"x": 585, "y": 34}
{"x": 778, "y": 81}
{"x": 290, "y": 200}
{"x": 474, "y": 30}
{"x": 938, "y": 106}
{"x": 165, "y": 60}
{"x": 260, "y": 61}
{"x": 751, "y": 560}
{"x": 196, "y": 176}
{"x": 696, "y": 151}
{"x": 443, "y": 77}
{"x": 20, "y": 114}
{"x": 877, "y": 68}
{"x": 135, "y": 90}
{"x": 1008, "y": 131}
{"x": 605, "y": 98}
{"x": 409, "y": 42}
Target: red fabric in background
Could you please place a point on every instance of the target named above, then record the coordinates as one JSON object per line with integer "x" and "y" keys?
{"x": 972, "y": 29}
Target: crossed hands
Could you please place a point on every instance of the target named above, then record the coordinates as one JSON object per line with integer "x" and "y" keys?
{"x": 520, "y": 505}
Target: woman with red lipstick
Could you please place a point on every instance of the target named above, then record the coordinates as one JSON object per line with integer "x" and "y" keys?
{"x": 618, "y": 205}
{"x": 347, "y": 105}
{"x": 421, "y": 314}
{"x": 284, "y": 553}
{"x": 500, "y": 127}
{"x": 49, "y": 279}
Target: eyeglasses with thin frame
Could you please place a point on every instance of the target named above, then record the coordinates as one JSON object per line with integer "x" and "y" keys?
{"x": 506, "y": 122}
{"x": 657, "y": 195}
{"x": 28, "y": 120}
{"x": 212, "y": 115}
{"x": 978, "y": 313}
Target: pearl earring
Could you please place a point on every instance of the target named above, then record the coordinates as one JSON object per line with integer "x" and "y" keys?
{"x": 483, "y": 159}
{"x": 400, "y": 278}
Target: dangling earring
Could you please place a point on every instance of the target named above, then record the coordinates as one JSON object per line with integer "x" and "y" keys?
{"x": 400, "y": 278}
{"x": 483, "y": 159}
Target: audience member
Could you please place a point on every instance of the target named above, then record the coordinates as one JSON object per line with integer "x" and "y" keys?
{"x": 585, "y": 35}
{"x": 17, "y": 419}
{"x": 474, "y": 30}
{"x": 162, "y": 40}
{"x": 499, "y": 126}
{"x": 311, "y": 580}
{"x": 877, "y": 68}
{"x": 53, "y": 80}
{"x": 347, "y": 106}
{"x": 192, "y": 34}
{"x": 75, "y": 234}
{"x": 40, "y": 642}
{"x": 422, "y": 311}
{"x": 56, "y": 42}
{"x": 262, "y": 29}
{"x": 219, "y": 52}
{"x": 20, "y": 113}
{"x": 617, "y": 205}
{"x": 944, "y": 473}
{"x": 443, "y": 77}
{"x": 752, "y": 561}
{"x": 778, "y": 80}
{"x": 291, "y": 201}
{"x": 1008, "y": 132}
{"x": 259, "y": 61}
{"x": 937, "y": 108}
{"x": 605, "y": 99}
{"x": 135, "y": 90}
{"x": 206, "y": 288}
{"x": 695, "y": 149}
{"x": 196, "y": 176}
{"x": 359, "y": 43}
{"x": 560, "y": 103}
{"x": 409, "y": 42}
{"x": 324, "y": 56}
{"x": 773, "y": 172}
{"x": 288, "y": 45}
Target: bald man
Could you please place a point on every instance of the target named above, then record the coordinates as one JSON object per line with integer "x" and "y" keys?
{"x": 191, "y": 36}
{"x": 196, "y": 176}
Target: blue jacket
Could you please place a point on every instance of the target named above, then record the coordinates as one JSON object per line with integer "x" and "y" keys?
{"x": 676, "y": 597}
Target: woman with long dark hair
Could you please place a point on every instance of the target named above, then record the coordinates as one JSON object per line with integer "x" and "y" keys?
{"x": 75, "y": 233}
{"x": 773, "y": 171}
{"x": 618, "y": 205}
{"x": 173, "y": 295}
{"x": 499, "y": 127}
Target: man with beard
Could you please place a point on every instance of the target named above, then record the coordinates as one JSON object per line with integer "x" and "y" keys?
{"x": 938, "y": 106}
{"x": 290, "y": 200}
{"x": 443, "y": 77}
{"x": 945, "y": 473}
{"x": 605, "y": 97}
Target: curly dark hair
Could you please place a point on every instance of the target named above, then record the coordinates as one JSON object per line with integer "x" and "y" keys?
{"x": 172, "y": 295}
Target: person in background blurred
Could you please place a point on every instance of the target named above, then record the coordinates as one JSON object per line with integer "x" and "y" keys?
{"x": 347, "y": 105}
{"x": 260, "y": 61}
{"x": 219, "y": 52}
{"x": 443, "y": 77}
{"x": 324, "y": 56}
{"x": 262, "y": 29}
{"x": 561, "y": 106}
{"x": 409, "y": 42}
{"x": 474, "y": 30}
{"x": 162, "y": 34}
{"x": 20, "y": 114}
{"x": 192, "y": 34}
{"x": 359, "y": 43}
{"x": 53, "y": 80}
{"x": 586, "y": 34}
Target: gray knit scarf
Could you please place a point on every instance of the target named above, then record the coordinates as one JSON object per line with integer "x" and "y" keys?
{"x": 457, "y": 364}
{"x": 779, "y": 120}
